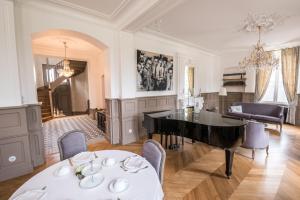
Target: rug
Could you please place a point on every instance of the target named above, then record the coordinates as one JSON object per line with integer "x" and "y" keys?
{"x": 53, "y": 129}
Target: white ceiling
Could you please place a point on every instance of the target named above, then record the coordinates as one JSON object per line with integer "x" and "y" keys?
{"x": 56, "y": 42}
{"x": 209, "y": 24}
{"x": 215, "y": 24}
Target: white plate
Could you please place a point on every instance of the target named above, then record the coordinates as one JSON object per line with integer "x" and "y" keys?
{"x": 91, "y": 181}
{"x": 83, "y": 157}
{"x": 113, "y": 190}
{"x": 62, "y": 170}
{"x": 135, "y": 162}
{"x": 87, "y": 170}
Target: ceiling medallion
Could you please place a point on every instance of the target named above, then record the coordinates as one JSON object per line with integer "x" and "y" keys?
{"x": 66, "y": 71}
{"x": 259, "y": 58}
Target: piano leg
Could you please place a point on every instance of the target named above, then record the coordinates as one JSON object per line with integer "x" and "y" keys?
{"x": 150, "y": 135}
{"x": 229, "y": 153}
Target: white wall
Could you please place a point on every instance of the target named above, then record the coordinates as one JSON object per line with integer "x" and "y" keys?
{"x": 9, "y": 73}
{"x": 229, "y": 61}
{"x": 39, "y": 60}
{"x": 118, "y": 59}
{"x": 31, "y": 19}
{"x": 207, "y": 66}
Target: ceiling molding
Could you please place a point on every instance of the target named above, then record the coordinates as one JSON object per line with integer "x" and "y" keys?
{"x": 156, "y": 11}
{"x": 49, "y": 6}
{"x": 91, "y": 11}
{"x": 122, "y": 5}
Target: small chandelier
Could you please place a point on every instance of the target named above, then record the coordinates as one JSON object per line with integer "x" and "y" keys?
{"x": 259, "y": 58}
{"x": 66, "y": 71}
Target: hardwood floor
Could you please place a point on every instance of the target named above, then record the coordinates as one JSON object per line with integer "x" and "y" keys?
{"x": 197, "y": 171}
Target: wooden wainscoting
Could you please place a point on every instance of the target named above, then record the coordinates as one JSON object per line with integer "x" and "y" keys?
{"x": 124, "y": 116}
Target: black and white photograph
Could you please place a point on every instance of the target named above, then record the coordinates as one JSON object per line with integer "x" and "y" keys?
{"x": 154, "y": 71}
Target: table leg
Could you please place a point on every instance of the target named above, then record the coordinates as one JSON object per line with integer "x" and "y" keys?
{"x": 229, "y": 153}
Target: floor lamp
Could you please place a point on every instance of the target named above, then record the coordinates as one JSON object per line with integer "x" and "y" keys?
{"x": 222, "y": 94}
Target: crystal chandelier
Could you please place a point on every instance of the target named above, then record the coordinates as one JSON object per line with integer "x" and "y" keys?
{"x": 259, "y": 58}
{"x": 66, "y": 71}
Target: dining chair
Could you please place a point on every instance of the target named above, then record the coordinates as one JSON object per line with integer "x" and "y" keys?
{"x": 71, "y": 143}
{"x": 156, "y": 155}
{"x": 256, "y": 137}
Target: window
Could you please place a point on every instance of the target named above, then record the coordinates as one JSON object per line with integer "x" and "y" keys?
{"x": 275, "y": 90}
{"x": 189, "y": 85}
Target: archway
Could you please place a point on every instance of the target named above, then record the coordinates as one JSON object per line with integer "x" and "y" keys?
{"x": 81, "y": 47}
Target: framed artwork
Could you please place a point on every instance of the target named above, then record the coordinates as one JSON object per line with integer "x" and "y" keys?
{"x": 154, "y": 71}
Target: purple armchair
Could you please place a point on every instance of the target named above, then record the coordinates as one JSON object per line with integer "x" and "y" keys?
{"x": 156, "y": 155}
{"x": 256, "y": 137}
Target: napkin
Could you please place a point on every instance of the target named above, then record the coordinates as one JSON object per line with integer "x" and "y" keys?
{"x": 31, "y": 195}
{"x": 134, "y": 163}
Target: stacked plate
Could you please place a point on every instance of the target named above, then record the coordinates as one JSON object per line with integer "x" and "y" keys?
{"x": 134, "y": 163}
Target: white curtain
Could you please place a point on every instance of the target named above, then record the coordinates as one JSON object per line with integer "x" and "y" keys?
{"x": 290, "y": 68}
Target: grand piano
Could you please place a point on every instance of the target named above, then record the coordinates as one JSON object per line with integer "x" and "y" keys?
{"x": 207, "y": 127}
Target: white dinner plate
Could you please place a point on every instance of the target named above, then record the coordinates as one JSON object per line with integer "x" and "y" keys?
{"x": 62, "y": 170}
{"x": 89, "y": 170}
{"x": 135, "y": 162}
{"x": 83, "y": 157}
{"x": 93, "y": 181}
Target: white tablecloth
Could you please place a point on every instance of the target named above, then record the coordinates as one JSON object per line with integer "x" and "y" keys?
{"x": 144, "y": 185}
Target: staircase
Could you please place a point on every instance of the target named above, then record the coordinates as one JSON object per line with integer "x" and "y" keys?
{"x": 43, "y": 97}
{"x": 53, "y": 81}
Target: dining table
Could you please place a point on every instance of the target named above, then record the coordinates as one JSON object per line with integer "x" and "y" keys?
{"x": 143, "y": 184}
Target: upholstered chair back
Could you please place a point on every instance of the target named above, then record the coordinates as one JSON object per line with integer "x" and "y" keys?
{"x": 71, "y": 143}
{"x": 156, "y": 155}
{"x": 256, "y": 137}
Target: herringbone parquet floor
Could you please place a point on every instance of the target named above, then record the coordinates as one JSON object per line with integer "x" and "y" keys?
{"x": 197, "y": 171}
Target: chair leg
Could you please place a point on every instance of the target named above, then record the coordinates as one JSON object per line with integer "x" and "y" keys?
{"x": 161, "y": 138}
{"x": 280, "y": 128}
{"x": 267, "y": 150}
{"x": 166, "y": 140}
{"x": 253, "y": 154}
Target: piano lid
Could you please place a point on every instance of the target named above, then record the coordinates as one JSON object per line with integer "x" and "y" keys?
{"x": 203, "y": 118}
